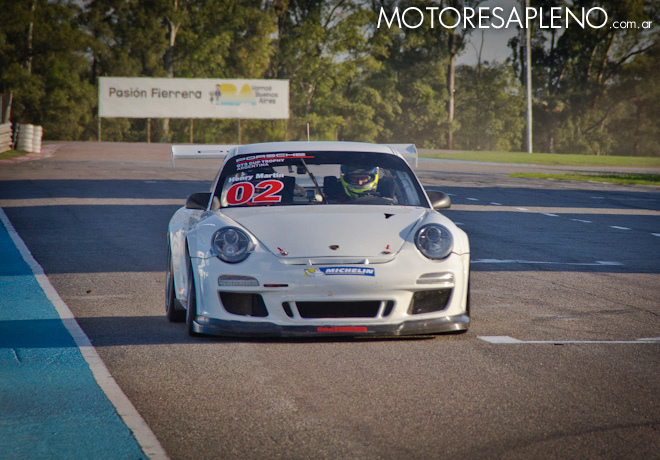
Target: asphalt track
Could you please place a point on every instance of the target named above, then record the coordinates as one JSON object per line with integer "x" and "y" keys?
{"x": 562, "y": 359}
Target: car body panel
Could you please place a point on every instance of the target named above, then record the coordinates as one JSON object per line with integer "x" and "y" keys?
{"x": 302, "y": 233}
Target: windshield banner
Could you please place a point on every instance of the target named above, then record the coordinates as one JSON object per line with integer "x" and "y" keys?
{"x": 193, "y": 98}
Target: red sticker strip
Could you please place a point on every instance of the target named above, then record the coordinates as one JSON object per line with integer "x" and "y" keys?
{"x": 342, "y": 329}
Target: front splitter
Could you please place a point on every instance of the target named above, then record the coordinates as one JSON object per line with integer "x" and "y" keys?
{"x": 212, "y": 326}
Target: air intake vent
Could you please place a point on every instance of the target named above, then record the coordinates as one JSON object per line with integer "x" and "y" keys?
{"x": 429, "y": 301}
{"x": 243, "y": 304}
{"x": 368, "y": 309}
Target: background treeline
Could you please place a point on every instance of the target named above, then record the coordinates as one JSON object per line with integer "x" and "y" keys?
{"x": 596, "y": 91}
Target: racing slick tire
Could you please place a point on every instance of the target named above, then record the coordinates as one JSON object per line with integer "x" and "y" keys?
{"x": 191, "y": 307}
{"x": 469, "y": 296}
{"x": 174, "y": 314}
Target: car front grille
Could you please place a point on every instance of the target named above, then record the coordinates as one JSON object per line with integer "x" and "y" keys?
{"x": 363, "y": 309}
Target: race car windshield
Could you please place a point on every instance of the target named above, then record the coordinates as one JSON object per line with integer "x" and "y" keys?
{"x": 318, "y": 178}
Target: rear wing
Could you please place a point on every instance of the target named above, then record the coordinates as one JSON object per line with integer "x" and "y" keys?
{"x": 200, "y": 152}
{"x": 407, "y": 151}
{"x": 205, "y": 152}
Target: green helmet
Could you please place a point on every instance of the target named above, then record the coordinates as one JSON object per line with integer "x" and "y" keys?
{"x": 358, "y": 180}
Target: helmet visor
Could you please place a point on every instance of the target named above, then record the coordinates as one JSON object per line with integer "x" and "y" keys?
{"x": 358, "y": 175}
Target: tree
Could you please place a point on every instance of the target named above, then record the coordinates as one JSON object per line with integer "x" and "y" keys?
{"x": 43, "y": 63}
{"x": 490, "y": 107}
{"x": 456, "y": 41}
{"x": 323, "y": 48}
{"x": 178, "y": 38}
{"x": 576, "y": 74}
{"x": 595, "y": 89}
{"x": 637, "y": 128}
{"x": 411, "y": 74}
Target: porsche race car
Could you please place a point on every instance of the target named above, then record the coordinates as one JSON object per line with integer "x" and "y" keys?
{"x": 316, "y": 239}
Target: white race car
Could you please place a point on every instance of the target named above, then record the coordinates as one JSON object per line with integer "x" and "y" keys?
{"x": 316, "y": 239}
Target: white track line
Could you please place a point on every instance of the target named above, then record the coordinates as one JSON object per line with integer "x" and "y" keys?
{"x": 567, "y": 210}
{"x": 598, "y": 263}
{"x": 506, "y": 340}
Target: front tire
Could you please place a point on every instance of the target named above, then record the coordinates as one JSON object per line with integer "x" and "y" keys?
{"x": 174, "y": 315}
{"x": 469, "y": 296}
{"x": 191, "y": 307}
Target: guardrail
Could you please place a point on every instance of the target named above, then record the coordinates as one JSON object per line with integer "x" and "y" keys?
{"x": 5, "y": 137}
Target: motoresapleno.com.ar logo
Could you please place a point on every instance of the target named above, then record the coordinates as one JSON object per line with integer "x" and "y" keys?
{"x": 486, "y": 17}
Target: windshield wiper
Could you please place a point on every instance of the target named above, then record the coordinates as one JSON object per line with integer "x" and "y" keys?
{"x": 316, "y": 184}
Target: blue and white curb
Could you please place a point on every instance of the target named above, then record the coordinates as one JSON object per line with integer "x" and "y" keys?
{"x": 57, "y": 398}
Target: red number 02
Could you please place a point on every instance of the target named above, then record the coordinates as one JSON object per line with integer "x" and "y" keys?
{"x": 269, "y": 195}
{"x": 242, "y": 192}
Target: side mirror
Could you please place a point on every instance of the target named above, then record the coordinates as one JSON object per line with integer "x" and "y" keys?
{"x": 439, "y": 200}
{"x": 198, "y": 200}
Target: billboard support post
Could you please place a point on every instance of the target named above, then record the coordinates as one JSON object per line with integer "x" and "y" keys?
{"x": 528, "y": 82}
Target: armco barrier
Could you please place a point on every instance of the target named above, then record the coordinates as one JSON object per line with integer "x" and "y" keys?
{"x": 5, "y": 137}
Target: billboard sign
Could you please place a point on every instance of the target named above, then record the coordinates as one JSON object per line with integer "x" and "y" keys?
{"x": 136, "y": 97}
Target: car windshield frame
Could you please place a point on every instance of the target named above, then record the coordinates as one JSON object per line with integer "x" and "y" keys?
{"x": 294, "y": 178}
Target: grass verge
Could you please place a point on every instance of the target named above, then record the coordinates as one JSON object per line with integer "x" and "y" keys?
{"x": 549, "y": 159}
{"x": 11, "y": 154}
{"x": 630, "y": 179}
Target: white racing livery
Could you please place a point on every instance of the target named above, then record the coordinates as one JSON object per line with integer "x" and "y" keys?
{"x": 316, "y": 239}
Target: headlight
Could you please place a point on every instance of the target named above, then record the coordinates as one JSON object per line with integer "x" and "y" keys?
{"x": 231, "y": 244}
{"x": 434, "y": 241}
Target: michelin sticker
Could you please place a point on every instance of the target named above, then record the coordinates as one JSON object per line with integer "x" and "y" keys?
{"x": 328, "y": 271}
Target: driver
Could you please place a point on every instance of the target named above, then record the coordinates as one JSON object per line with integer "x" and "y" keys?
{"x": 359, "y": 181}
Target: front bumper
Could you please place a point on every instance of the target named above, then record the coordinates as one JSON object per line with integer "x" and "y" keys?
{"x": 212, "y": 326}
{"x": 399, "y": 299}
